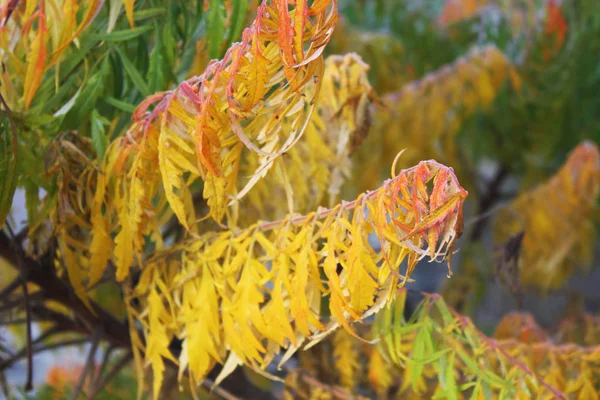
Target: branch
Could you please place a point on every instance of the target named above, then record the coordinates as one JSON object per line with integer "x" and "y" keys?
{"x": 104, "y": 364}
{"x": 487, "y": 201}
{"x": 29, "y": 382}
{"x": 89, "y": 365}
{"x": 115, "y": 331}
{"x": 10, "y": 361}
{"x": 113, "y": 372}
{"x": 210, "y": 385}
{"x": 7, "y": 290}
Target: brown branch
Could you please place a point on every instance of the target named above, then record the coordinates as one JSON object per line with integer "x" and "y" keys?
{"x": 29, "y": 382}
{"x": 21, "y": 321}
{"x": 11, "y": 287}
{"x": 209, "y": 384}
{"x": 115, "y": 331}
{"x": 113, "y": 372}
{"x": 487, "y": 201}
{"x": 89, "y": 365}
{"x": 4, "y": 386}
{"x": 103, "y": 364}
{"x": 10, "y": 361}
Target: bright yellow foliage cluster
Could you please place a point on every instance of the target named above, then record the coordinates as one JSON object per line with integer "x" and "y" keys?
{"x": 270, "y": 121}
{"x": 203, "y": 128}
{"x": 559, "y": 233}
{"x": 312, "y": 172}
{"x": 241, "y": 296}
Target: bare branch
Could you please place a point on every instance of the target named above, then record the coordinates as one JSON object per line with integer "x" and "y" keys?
{"x": 10, "y": 288}
{"x": 29, "y": 382}
{"x": 104, "y": 364}
{"x": 89, "y": 364}
{"x": 22, "y": 353}
{"x": 113, "y": 372}
{"x": 210, "y": 385}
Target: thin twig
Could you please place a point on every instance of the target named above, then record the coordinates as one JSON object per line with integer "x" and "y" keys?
{"x": 8, "y": 306}
{"x": 487, "y": 201}
{"x": 23, "y": 280}
{"x": 7, "y": 290}
{"x": 113, "y": 372}
{"x": 104, "y": 364}
{"x": 20, "y": 321}
{"x": 10, "y": 361}
{"x": 89, "y": 364}
{"x": 210, "y": 385}
{"x": 29, "y": 382}
{"x": 4, "y": 386}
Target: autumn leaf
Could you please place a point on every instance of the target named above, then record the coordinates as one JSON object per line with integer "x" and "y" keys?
{"x": 36, "y": 59}
{"x": 272, "y": 276}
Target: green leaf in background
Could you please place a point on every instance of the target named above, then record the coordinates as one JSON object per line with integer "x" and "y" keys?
{"x": 125, "y": 34}
{"x": 216, "y": 28}
{"x": 156, "y": 78}
{"x": 8, "y": 164}
{"x": 240, "y": 8}
{"x": 87, "y": 100}
{"x": 134, "y": 74}
{"x": 99, "y": 138}
{"x": 121, "y": 105}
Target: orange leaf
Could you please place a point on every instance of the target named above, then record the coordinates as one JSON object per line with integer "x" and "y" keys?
{"x": 36, "y": 60}
{"x": 129, "y": 11}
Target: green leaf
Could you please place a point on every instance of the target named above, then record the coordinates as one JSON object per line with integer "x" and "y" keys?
{"x": 156, "y": 78}
{"x": 240, "y": 8}
{"x": 69, "y": 104}
{"x": 133, "y": 73}
{"x": 125, "y": 34}
{"x": 9, "y": 174}
{"x": 492, "y": 379}
{"x": 451, "y": 387}
{"x": 86, "y": 101}
{"x": 418, "y": 354}
{"x": 32, "y": 199}
{"x": 99, "y": 138}
{"x": 189, "y": 51}
{"x": 149, "y": 13}
{"x": 216, "y": 28}
{"x": 119, "y": 104}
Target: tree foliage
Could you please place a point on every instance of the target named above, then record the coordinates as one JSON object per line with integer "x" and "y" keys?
{"x": 240, "y": 198}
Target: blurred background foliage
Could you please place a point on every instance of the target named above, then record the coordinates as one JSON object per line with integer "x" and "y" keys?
{"x": 501, "y": 90}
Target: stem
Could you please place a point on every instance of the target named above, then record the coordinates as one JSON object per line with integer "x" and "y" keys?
{"x": 115, "y": 331}
{"x": 487, "y": 201}
{"x": 89, "y": 365}
{"x": 29, "y": 382}
{"x": 113, "y": 372}
{"x": 10, "y": 361}
{"x": 11, "y": 287}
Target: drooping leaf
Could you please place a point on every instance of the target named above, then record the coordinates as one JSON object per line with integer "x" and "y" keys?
{"x": 295, "y": 261}
{"x": 36, "y": 60}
